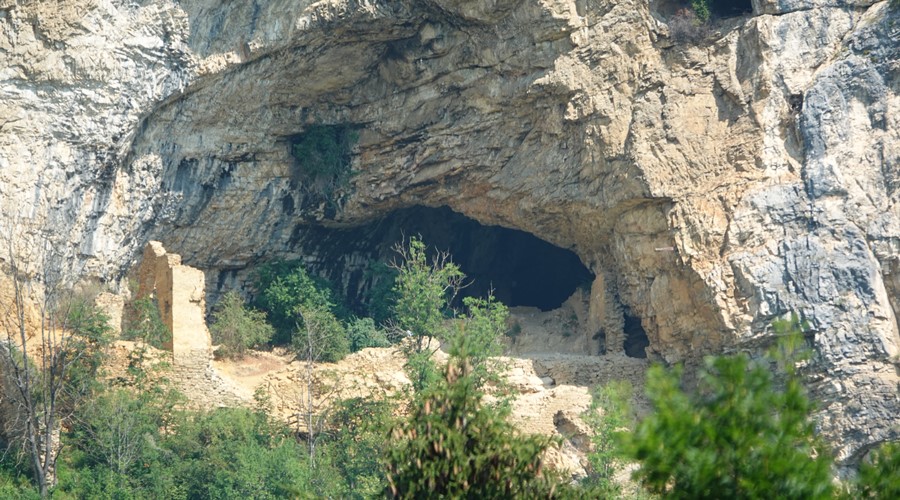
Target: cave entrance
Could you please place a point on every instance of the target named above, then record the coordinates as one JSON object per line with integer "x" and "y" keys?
{"x": 636, "y": 340}
{"x": 730, "y": 8}
{"x": 522, "y": 269}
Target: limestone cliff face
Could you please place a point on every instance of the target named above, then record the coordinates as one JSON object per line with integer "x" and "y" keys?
{"x": 711, "y": 187}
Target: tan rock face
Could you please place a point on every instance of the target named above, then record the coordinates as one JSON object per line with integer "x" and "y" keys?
{"x": 763, "y": 162}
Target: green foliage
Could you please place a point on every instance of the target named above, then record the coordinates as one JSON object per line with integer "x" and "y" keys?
{"x": 354, "y": 446}
{"x": 424, "y": 289}
{"x": 701, "y": 9}
{"x": 322, "y": 337}
{"x": 14, "y": 485}
{"x": 480, "y": 332}
{"x": 227, "y": 453}
{"x": 454, "y": 447}
{"x": 879, "y": 476}
{"x": 738, "y": 436}
{"x": 143, "y": 322}
{"x": 323, "y": 154}
{"x": 84, "y": 351}
{"x": 284, "y": 288}
{"x": 236, "y": 453}
{"x": 363, "y": 333}
{"x": 609, "y": 416}
{"x": 237, "y": 328}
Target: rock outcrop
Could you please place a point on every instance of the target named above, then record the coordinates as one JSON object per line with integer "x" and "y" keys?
{"x": 710, "y": 187}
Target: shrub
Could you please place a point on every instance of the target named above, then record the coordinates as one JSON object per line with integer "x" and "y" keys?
{"x": 608, "y": 416}
{"x": 355, "y": 444}
{"x": 363, "y": 333}
{"x": 143, "y": 322}
{"x": 879, "y": 477}
{"x": 686, "y": 27}
{"x": 236, "y": 328}
{"x": 701, "y": 9}
{"x": 284, "y": 288}
{"x": 323, "y": 154}
{"x": 454, "y": 447}
{"x": 736, "y": 437}
{"x": 322, "y": 337}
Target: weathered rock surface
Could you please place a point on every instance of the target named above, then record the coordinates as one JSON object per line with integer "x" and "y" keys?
{"x": 710, "y": 188}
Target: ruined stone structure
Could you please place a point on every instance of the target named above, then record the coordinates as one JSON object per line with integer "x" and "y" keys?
{"x": 179, "y": 291}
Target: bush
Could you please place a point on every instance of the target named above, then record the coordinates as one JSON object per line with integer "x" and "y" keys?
{"x": 454, "y": 447}
{"x": 322, "y": 337}
{"x": 879, "y": 477}
{"x": 143, "y": 322}
{"x": 736, "y": 437}
{"x": 323, "y": 154}
{"x": 236, "y": 328}
{"x": 686, "y": 27}
{"x": 354, "y": 446}
{"x": 363, "y": 333}
{"x": 284, "y": 288}
{"x": 608, "y": 416}
{"x": 702, "y": 9}
{"x": 237, "y": 453}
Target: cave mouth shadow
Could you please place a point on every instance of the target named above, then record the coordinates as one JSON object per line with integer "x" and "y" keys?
{"x": 520, "y": 269}
{"x": 636, "y": 340}
{"x": 730, "y": 8}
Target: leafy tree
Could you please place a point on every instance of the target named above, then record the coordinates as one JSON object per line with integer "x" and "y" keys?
{"x": 738, "y": 436}
{"x": 363, "y": 333}
{"x": 425, "y": 288}
{"x": 879, "y": 477}
{"x": 143, "y": 322}
{"x": 237, "y": 328}
{"x": 236, "y": 453}
{"x": 285, "y": 287}
{"x": 49, "y": 365}
{"x": 481, "y": 333}
{"x": 322, "y": 337}
{"x": 609, "y": 415}
{"x": 453, "y": 446}
{"x": 354, "y": 444}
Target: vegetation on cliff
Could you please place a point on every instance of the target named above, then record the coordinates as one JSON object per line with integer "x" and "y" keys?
{"x": 742, "y": 431}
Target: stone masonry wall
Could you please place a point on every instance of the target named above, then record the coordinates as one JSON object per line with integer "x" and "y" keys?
{"x": 180, "y": 292}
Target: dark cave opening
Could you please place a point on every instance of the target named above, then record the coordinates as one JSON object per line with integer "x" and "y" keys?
{"x": 522, "y": 269}
{"x": 730, "y": 8}
{"x": 636, "y": 340}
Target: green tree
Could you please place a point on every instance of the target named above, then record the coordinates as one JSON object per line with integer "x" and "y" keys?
{"x": 353, "y": 445}
{"x": 737, "y": 436}
{"x": 237, "y": 328}
{"x": 453, "y": 446}
{"x": 425, "y": 288}
{"x": 879, "y": 476}
{"x": 481, "y": 333}
{"x": 363, "y": 333}
{"x": 236, "y": 453}
{"x": 143, "y": 322}
{"x": 284, "y": 288}
{"x": 608, "y": 417}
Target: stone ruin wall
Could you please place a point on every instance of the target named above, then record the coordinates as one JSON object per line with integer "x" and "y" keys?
{"x": 180, "y": 292}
